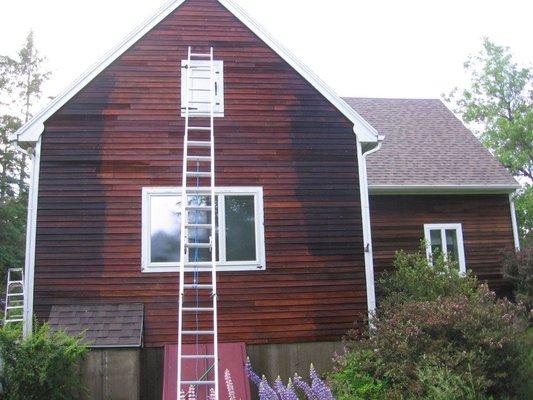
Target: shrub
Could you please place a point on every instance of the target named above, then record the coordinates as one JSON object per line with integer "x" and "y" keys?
{"x": 42, "y": 367}
{"x": 414, "y": 278}
{"x": 437, "y": 335}
{"x": 518, "y": 269}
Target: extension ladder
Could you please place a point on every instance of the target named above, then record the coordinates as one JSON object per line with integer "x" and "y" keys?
{"x": 197, "y": 320}
{"x": 14, "y": 310}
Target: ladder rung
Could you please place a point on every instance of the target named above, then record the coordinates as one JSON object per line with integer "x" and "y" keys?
{"x": 13, "y": 307}
{"x": 15, "y": 294}
{"x": 198, "y": 226}
{"x": 15, "y": 283}
{"x": 14, "y": 320}
{"x": 194, "y": 174}
{"x": 208, "y": 55}
{"x": 198, "y": 208}
{"x": 197, "y": 332}
{"x": 198, "y": 245}
{"x": 199, "y": 158}
{"x": 200, "y": 309}
{"x": 198, "y": 356}
{"x": 197, "y": 382}
{"x": 196, "y": 143}
{"x": 197, "y": 286}
{"x": 199, "y": 128}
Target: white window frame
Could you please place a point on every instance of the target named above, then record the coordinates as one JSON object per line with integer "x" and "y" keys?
{"x": 460, "y": 244}
{"x": 222, "y": 265}
{"x": 218, "y": 108}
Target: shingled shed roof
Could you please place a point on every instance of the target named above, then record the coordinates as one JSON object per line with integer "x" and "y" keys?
{"x": 427, "y": 146}
{"x": 103, "y": 325}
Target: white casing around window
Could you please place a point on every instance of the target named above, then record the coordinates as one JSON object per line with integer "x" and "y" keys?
{"x": 200, "y": 93}
{"x": 257, "y": 265}
{"x": 442, "y": 228}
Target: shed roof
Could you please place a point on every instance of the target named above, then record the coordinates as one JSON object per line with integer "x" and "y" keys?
{"x": 102, "y": 325}
{"x": 426, "y": 146}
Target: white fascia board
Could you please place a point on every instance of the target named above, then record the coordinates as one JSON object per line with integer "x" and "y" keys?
{"x": 32, "y": 130}
{"x": 440, "y": 189}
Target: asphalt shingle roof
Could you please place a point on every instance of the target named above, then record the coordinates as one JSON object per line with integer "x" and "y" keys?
{"x": 425, "y": 144}
{"x": 102, "y": 325}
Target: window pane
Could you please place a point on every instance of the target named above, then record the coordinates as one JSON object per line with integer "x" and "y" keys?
{"x": 451, "y": 244}
{"x": 435, "y": 242}
{"x": 201, "y": 235}
{"x": 240, "y": 228}
{"x": 165, "y": 228}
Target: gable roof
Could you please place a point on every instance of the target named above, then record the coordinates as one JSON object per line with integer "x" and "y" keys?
{"x": 426, "y": 146}
{"x": 102, "y": 325}
{"x": 32, "y": 130}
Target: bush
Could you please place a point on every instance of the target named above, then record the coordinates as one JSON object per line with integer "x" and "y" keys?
{"x": 42, "y": 367}
{"x": 518, "y": 269}
{"x": 437, "y": 335}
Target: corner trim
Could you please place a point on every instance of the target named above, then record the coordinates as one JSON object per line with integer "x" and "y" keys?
{"x": 514, "y": 222}
{"x": 29, "y": 263}
{"x": 367, "y": 230}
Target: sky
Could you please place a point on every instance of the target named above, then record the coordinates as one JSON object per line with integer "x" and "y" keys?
{"x": 371, "y": 48}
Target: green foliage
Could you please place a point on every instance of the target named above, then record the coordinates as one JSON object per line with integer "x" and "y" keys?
{"x": 351, "y": 381}
{"x": 12, "y": 234}
{"x": 499, "y": 102}
{"x": 416, "y": 279}
{"x": 43, "y": 367}
{"x": 518, "y": 269}
{"x": 437, "y": 335}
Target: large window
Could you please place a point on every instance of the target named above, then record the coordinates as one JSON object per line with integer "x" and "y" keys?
{"x": 445, "y": 239}
{"x": 239, "y": 226}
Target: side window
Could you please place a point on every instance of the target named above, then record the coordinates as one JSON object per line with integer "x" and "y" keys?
{"x": 199, "y": 88}
{"x": 446, "y": 239}
{"x": 239, "y": 227}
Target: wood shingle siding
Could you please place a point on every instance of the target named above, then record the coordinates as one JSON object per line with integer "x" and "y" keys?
{"x": 123, "y": 132}
{"x": 398, "y": 223}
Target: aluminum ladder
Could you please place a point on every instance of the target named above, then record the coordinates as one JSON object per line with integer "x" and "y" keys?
{"x": 197, "y": 276}
{"x": 14, "y": 309}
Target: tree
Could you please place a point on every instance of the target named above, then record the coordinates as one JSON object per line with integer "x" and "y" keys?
{"x": 23, "y": 78}
{"x": 498, "y": 105}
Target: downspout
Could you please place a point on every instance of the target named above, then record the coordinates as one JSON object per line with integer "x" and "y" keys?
{"x": 367, "y": 231}
{"x": 515, "y": 224}
{"x": 31, "y": 222}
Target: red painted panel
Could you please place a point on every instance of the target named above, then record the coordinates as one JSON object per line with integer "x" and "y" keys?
{"x": 232, "y": 357}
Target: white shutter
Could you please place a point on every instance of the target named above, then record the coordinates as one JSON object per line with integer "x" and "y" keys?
{"x": 199, "y": 94}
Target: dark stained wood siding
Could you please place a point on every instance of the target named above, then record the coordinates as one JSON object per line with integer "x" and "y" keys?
{"x": 123, "y": 132}
{"x": 398, "y": 223}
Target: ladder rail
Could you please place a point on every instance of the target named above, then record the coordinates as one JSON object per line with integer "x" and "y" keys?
{"x": 15, "y": 297}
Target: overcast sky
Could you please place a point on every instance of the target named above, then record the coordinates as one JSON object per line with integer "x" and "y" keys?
{"x": 372, "y": 48}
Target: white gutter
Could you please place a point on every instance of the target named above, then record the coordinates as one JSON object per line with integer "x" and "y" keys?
{"x": 367, "y": 231}
{"x": 515, "y": 224}
{"x": 29, "y": 262}
{"x": 440, "y": 189}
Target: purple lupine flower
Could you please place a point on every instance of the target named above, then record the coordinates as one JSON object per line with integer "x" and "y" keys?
{"x": 319, "y": 388}
{"x": 304, "y": 387}
{"x": 251, "y": 374}
{"x": 284, "y": 392}
{"x": 265, "y": 391}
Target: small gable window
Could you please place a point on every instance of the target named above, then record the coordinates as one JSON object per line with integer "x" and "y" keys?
{"x": 445, "y": 239}
{"x": 239, "y": 227}
{"x": 199, "y": 88}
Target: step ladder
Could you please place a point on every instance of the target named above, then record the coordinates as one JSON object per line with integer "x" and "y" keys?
{"x": 197, "y": 320}
{"x": 14, "y": 309}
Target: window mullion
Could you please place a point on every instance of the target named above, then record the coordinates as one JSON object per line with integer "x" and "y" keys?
{"x": 221, "y": 228}
{"x": 444, "y": 244}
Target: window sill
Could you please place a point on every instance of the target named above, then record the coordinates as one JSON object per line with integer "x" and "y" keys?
{"x": 222, "y": 268}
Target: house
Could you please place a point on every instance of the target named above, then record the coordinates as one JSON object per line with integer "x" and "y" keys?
{"x": 318, "y": 193}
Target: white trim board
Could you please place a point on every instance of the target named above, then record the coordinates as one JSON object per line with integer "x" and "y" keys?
{"x": 440, "y": 189}
{"x": 32, "y": 130}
